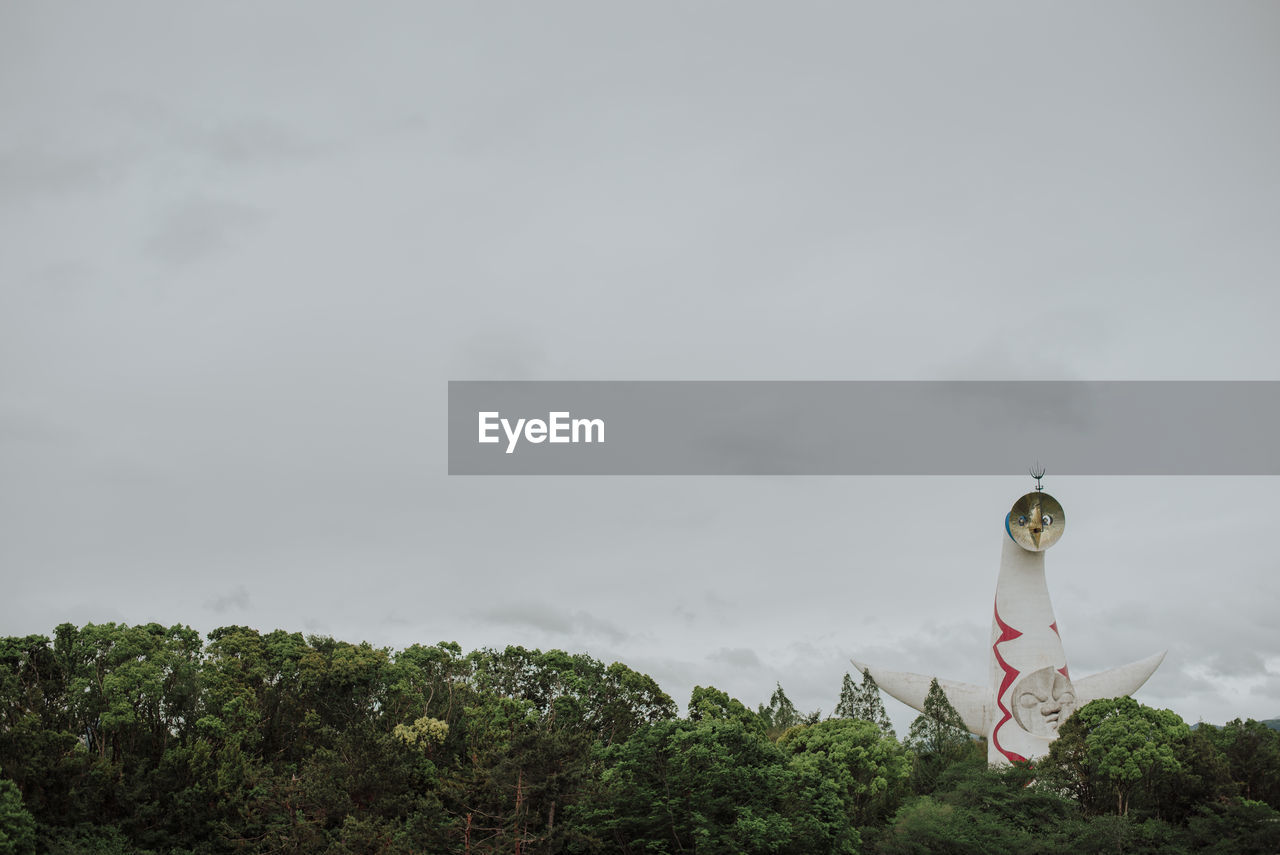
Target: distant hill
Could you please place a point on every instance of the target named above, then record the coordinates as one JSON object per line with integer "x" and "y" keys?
{"x": 1273, "y": 723}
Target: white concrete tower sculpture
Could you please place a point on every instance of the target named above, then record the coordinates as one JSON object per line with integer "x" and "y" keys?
{"x": 1031, "y": 691}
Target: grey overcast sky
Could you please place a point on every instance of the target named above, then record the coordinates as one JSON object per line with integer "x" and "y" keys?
{"x": 243, "y": 247}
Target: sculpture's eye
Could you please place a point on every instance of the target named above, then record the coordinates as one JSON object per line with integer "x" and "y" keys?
{"x": 1022, "y": 520}
{"x": 1047, "y": 519}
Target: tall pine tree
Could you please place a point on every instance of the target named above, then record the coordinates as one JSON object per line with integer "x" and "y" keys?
{"x": 781, "y": 715}
{"x": 863, "y": 702}
{"x": 939, "y": 729}
{"x": 938, "y": 738}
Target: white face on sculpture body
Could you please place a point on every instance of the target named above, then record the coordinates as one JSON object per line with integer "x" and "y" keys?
{"x": 1036, "y": 521}
{"x": 1042, "y": 701}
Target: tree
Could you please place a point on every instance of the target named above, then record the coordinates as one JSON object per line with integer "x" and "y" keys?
{"x": 927, "y": 825}
{"x": 869, "y": 770}
{"x": 714, "y": 786}
{"x": 17, "y": 827}
{"x": 607, "y": 702}
{"x": 847, "y": 707}
{"x": 1236, "y": 827}
{"x": 988, "y": 810}
{"x": 862, "y": 701}
{"x": 1112, "y": 746}
{"x": 531, "y": 735}
{"x": 131, "y": 688}
{"x": 710, "y": 704}
{"x": 938, "y": 737}
{"x": 1252, "y": 752}
{"x": 35, "y": 737}
{"x": 1201, "y": 777}
{"x": 781, "y": 715}
{"x": 939, "y": 728}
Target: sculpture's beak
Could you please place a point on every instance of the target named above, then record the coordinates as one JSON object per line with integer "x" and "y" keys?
{"x": 1036, "y": 525}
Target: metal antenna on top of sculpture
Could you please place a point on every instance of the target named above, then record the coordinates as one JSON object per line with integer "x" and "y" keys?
{"x": 1037, "y": 472}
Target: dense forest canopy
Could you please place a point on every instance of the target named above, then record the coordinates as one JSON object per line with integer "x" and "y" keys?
{"x": 119, "y": 738}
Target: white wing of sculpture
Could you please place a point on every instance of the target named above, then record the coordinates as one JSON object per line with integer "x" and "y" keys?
{"x": 968, "y": 699}
{"x": 1115, "y": 682}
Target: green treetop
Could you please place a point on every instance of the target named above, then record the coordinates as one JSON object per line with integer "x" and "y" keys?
{"x": 862, "y": 701}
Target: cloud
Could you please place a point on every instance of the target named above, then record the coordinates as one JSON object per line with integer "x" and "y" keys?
{"x": 508, "y": 354}
{"x": 28, "y": 173}
{"x": 199, "y": 228}
{"x": 577, "y": 625}
{"x": 252, "y": 142}
{"x": 1237, "y": 663}
{"x": 736, "y": 657}
{"x": 237, "y": 600}
{"x": 23, "y": 427}
{"x": 951, "y": 650}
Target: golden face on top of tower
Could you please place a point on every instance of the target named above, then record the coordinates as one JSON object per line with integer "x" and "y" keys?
{"x": 1036, "y": 521}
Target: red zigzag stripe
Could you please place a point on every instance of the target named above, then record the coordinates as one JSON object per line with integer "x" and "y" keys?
{"x": 1007, "y": 633}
